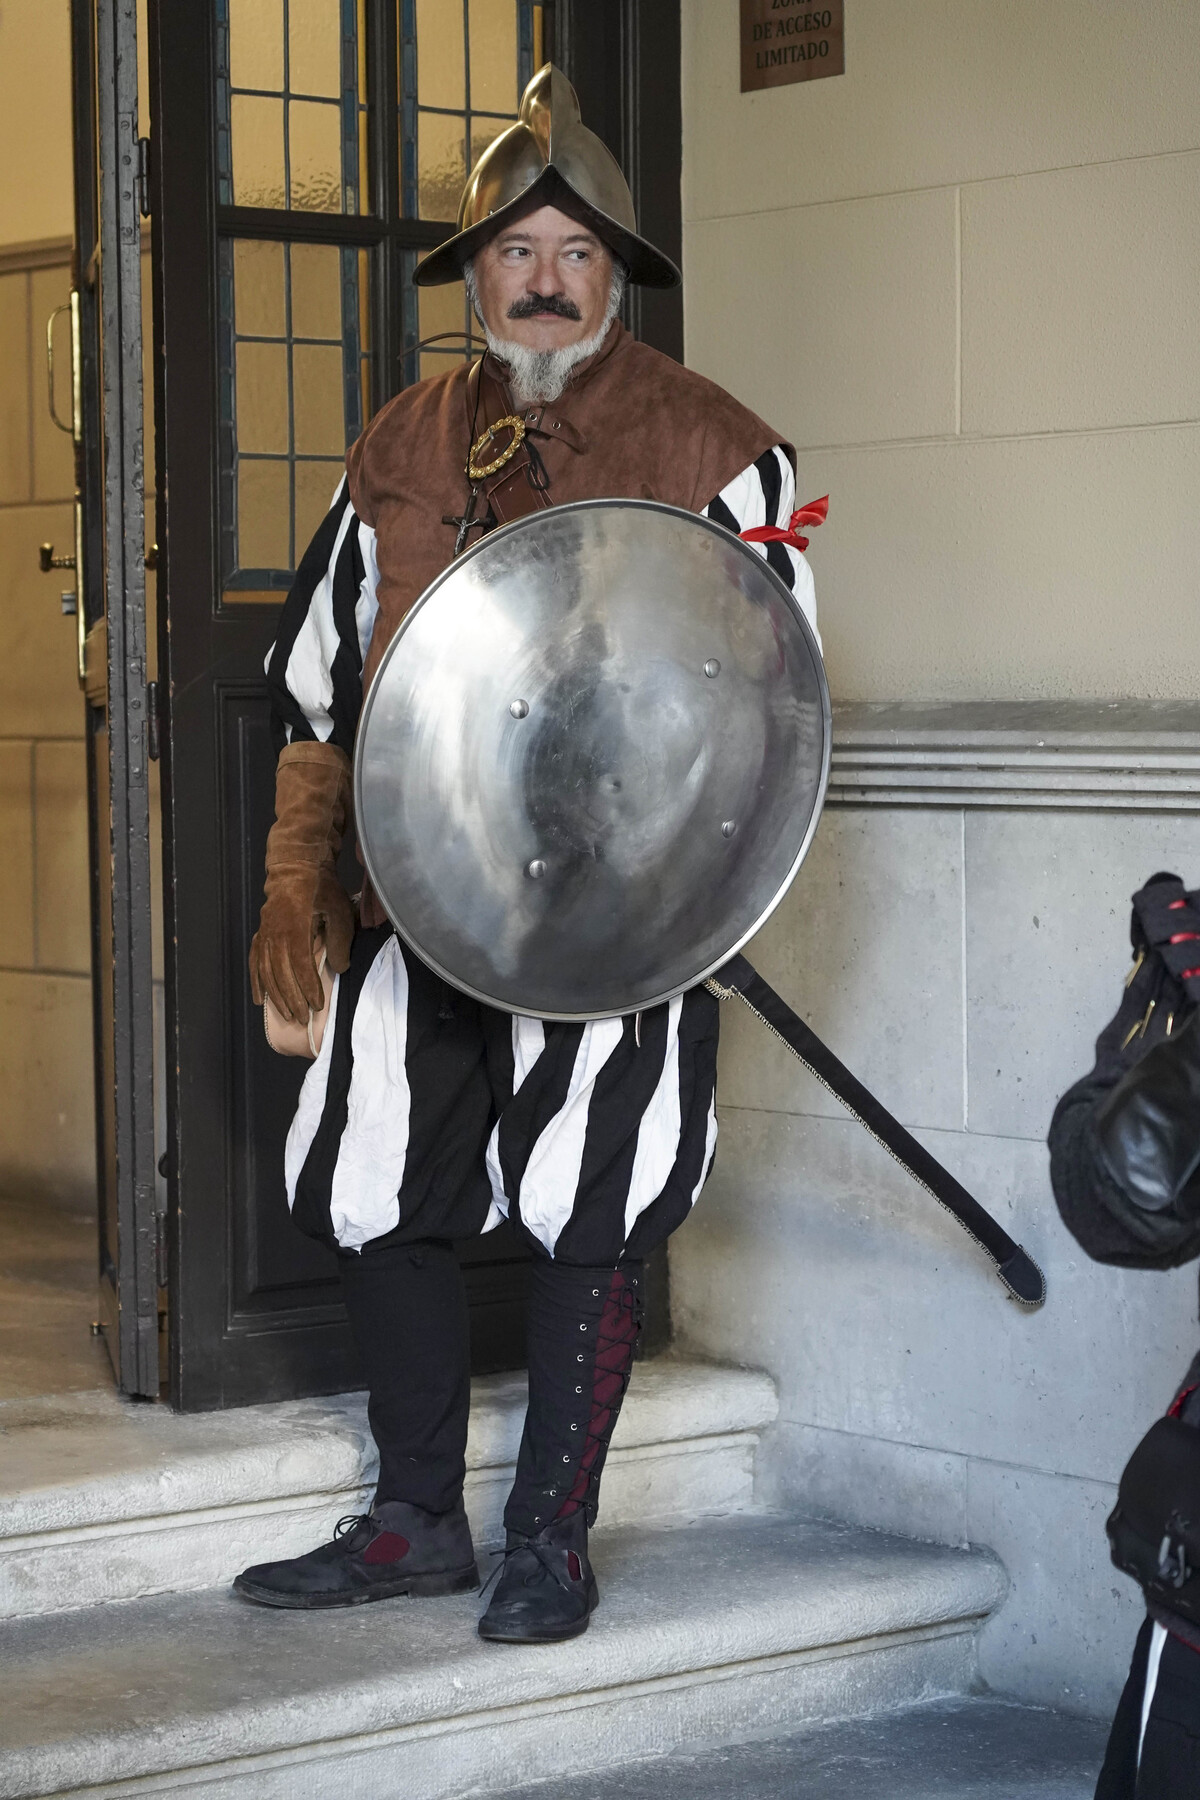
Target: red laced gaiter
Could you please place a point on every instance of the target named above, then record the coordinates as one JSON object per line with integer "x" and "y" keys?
{"x": 583, "y": 1330}
{"x": 617, "y": 1334}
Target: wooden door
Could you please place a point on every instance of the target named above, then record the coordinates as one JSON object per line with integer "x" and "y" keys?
{"x": 303, "y": 155}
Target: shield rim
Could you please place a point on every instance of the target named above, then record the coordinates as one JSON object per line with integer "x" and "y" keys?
{"x": 492, "y": 538}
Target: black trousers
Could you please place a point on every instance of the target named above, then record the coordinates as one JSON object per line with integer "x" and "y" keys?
{"x": 1170, "y": 1760}
{"x": 408, "y": 1312}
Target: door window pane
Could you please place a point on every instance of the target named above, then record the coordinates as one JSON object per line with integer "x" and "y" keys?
{"x": 315, "y": 484}
{"x": 494, "y": 56}
{"x": 261, "y": 297}
{"x": 262, "y": 398}
{"x": 316, "y": 291}
{"x": 463, "y": 66}
{"x": 314, "y": 156}
{"x": 262, "y": 493}
{"x": 314, "y": 48}
{"x": 441, "y": 66}
{"x": 442, "y": 169}
{"x": 256, "y": 44}
{"x": 295, "y": 375}
{"x": 291, "y": 103}
{"x": 319, "y": 414}
{"x": 258, "y": 177}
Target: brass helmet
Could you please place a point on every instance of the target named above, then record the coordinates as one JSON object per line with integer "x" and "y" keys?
{"x": 548, "y": 158}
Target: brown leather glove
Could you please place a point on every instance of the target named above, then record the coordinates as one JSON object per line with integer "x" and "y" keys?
{"x": 304, "y": 897}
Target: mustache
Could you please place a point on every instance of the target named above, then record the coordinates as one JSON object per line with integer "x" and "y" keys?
{"x": 532, "y": 304}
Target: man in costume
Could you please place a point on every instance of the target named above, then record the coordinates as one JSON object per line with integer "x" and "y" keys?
{"x": 428, "y": 1117}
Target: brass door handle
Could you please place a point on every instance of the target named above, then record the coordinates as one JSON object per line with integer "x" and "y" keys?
{"x": 46, "y": 557}
{"x": 74, "y": 429}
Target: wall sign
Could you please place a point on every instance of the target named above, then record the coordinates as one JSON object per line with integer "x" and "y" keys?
{"x": 791, "y": 40}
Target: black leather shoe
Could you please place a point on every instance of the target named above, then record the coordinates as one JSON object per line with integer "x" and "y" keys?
{"x": 546, "y": 1591}
{"x": 396, "y": 1549}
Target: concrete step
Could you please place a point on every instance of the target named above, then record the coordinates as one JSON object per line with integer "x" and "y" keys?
{"x": 104, "y": 1500}
{"x": 968, "y": 1749}
{"x": 722, "y": 1629}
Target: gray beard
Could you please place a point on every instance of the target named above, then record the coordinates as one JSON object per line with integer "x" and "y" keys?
{"x": 541, "y": 375}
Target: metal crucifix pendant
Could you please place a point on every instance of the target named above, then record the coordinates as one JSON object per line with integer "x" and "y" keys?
{"x": 465, "y": 523}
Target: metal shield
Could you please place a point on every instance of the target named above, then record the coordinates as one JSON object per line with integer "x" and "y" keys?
{"x": 592, "y": 759}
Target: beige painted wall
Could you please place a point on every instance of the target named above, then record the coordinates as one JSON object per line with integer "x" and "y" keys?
{"x": 35, "y": 121}
{"x": 46, "y": 1102}
{"x": 964, "y": 278}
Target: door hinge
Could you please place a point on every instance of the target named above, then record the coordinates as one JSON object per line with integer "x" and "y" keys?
{"x": 152, "y": 745}
{"x": 161, "y": 1264}
{"x": 143, "y": 176}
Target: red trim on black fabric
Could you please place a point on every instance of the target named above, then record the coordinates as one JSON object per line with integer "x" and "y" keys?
{"x": 617, "y": 1336}
{"x": 1177, "y": 1405}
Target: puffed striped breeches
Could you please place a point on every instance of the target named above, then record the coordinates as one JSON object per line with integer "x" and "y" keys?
{"x": 427, "y": 1115}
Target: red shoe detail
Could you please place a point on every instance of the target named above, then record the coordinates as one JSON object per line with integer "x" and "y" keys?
{"x": 574, "y": 1567}
{"x": 388, "y": 1547}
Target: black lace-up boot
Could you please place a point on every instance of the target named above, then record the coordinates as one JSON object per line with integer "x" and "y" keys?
{"x": 583, "y": 1327}
{"x": 546, "y": 1590}
{"x": 396, "y": 1549}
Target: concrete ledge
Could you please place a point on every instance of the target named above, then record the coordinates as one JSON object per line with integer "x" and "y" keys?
{"x": 102, "y": 1500}
{"x": 1119, "y": 755}
{"x": 727, "y": 1627}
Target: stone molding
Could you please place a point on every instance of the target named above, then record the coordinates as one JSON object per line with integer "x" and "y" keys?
{"x": 1103, "y": 756}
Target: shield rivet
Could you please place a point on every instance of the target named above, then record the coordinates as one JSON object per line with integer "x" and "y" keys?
{"x": 728, "y": 828}
{"x": 712, "y": 668}
{"x": 519, "y": 709}
{"x": 536, "y": 869}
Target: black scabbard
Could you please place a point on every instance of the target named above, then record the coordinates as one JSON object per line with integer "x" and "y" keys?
{"x": 1015, "y": 1267}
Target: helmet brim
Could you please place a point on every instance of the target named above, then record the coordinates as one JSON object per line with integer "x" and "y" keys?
{"x": 647, "y": 266}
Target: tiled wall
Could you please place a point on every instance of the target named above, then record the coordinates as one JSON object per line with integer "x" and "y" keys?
{"x": 46, "y": 1094}
{"x": 966, "y": 278}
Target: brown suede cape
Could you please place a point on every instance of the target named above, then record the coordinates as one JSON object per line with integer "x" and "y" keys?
{"x": 631, "y": 424}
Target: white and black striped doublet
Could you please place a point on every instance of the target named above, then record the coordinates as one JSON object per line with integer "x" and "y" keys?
{"x": 427, "y": 1115}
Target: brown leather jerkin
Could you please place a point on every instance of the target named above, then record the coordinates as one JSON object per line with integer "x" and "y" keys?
{"x": 631, "y": 424}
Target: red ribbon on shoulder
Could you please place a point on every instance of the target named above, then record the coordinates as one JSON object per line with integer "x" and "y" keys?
{"x": 812, "y": 515}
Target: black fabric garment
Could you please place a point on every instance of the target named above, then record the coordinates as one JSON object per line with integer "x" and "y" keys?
{"x": 345, "y": 574}
{"x": 445, "y": 1191}
{"x": 1118, "y": 1776}
{"x": 1170, "y": 1762}
{"x": 407, "y": 1305}
{"x": 597, "y": 1231}
{"x": 583, "y": 1326}
{"x": 391, "y": 1139}
{"x": 408, "y": 1312}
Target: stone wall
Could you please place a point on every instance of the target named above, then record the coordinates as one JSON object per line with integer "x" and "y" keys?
{"x": 963, "y": 278}
{"x": 960, "y": 949}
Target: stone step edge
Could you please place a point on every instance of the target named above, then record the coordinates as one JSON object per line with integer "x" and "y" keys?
{"x": 938, "y": 1594}
{"x": 240, "y": 1767}
{"x": 322, "y": 1448}
{"x": 355, "y": 1498}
